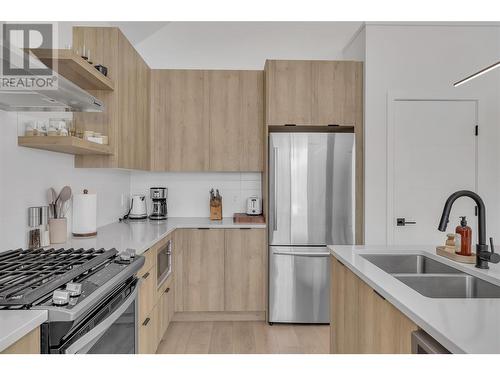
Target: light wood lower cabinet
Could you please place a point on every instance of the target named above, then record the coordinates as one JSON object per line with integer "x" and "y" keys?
{"x": 155, "y": 303}
{"x": 148, "y": 332}
{"x": 147, "y": 294}
{"x": 199, "y": 266}
{"x": 220, "y": 270}
{"x": 28, "y": 344}
{"x": 245, "y": 270}
{"x": 165, "y": 307}
{"x": 362, "y": 321}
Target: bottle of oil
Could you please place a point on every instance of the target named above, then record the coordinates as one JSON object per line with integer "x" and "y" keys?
{"x": 465, "y": 233}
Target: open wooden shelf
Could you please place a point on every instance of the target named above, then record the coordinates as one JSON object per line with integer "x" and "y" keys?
{"x": 66, "y": 145}
{"x": 74, "y": 68}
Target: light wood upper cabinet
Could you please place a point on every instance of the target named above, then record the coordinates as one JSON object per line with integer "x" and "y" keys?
{"x": 245, "y": 269}
{"x": 236, "y": 120}
{"x": 126, "y": 116}
{"x": 337, "y": 88}
{"x": 288, "y": 92}
{"x": 179, "y": 120}
{"x": 317, "y": 93}
{"x": 363, "y": 322}
{"x": 208, "y": 120}
{"x": 199, "y": 270}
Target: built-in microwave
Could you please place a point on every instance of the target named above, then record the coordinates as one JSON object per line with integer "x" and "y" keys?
{"x": 164, "y": 262}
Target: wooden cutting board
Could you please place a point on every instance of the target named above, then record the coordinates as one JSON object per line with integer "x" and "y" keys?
{"x": 242, "y": 218}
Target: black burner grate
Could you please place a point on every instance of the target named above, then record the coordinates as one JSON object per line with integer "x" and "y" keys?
{"x": 27, "y": 275}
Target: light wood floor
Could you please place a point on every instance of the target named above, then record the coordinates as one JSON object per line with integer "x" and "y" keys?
{"x": 244, "y": 338}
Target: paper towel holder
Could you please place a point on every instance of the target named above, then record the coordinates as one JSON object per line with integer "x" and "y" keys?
{"x": 84, "y": 233}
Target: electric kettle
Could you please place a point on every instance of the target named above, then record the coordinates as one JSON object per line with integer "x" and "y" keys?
{"x": 138, "y": 208}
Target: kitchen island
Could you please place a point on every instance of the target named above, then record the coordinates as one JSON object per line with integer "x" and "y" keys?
{"x": 461, "y": 325}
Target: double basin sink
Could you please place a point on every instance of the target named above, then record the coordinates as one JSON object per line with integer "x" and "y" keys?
{"x": 432, "y": 278}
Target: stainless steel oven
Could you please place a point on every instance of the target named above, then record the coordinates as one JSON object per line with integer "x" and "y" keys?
{"x": 110, "y": 329}
{"x": 164, "y": 262}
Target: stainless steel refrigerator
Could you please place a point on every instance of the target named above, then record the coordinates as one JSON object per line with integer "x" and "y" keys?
{"x": 311, "y": 205}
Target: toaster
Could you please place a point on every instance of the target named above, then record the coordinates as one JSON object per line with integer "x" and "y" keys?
{"x": 254, "y": 205}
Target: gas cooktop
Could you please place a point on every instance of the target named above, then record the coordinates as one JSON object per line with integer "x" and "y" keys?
{"x": 64, "y": 281}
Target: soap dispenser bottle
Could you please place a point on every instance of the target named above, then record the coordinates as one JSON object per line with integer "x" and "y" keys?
{"x": 465, "y": 233}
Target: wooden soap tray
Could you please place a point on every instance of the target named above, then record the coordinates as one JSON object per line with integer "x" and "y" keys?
{"x": 449, "y": 252}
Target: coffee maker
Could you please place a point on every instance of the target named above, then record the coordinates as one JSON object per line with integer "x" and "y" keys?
{"x": 159, "y": 203}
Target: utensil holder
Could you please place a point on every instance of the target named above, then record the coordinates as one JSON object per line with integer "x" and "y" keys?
{"x": 58, "y": 230}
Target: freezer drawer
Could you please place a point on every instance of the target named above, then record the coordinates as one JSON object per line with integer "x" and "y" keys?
{"x": 299, "y": 284}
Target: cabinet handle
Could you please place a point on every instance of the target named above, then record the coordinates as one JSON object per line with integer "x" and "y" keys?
{"x": 145, "y": 323}
{"x": 378, "y": 294}
{"x": 245, "y": 228}
{"x": 145, "y": 276}
{"x": 333, "y": 125}
{"x": 290, "y": 124}
{"x": 167, "y": 290}
{"x": 203, "y": 228}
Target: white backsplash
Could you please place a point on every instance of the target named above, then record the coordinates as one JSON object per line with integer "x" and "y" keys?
{"x": 188, "y": 193}
{"x": 26, "y": 174}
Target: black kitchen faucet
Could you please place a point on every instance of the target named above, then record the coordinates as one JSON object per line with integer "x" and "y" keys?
{"x": 483, "y": 256}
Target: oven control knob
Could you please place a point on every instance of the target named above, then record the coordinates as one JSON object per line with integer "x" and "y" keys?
{"x": 74, "y": 289}
{"x": 60, "y": 297}
{"x": 125, "y": 256}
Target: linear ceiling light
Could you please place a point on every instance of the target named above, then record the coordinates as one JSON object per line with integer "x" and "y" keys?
{"x": 480, "y": 73}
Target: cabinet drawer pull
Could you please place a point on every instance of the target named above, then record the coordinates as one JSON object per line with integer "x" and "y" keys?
{"x": 167, "y": 290}
{"x": 145, "y": 276}
{"x": 290, "y": 124}
{"x": 245, "y": 228}
{"x": 378, "y": 294}
{"x": 333, "y": 125}
{"x": 146, "y": 321}
{"x": 203, "y": 228}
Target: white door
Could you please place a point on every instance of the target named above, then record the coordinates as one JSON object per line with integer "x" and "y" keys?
{"x": 432, "y": 153}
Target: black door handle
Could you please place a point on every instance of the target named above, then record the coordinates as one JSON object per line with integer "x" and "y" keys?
{"x": 401, "y": 222}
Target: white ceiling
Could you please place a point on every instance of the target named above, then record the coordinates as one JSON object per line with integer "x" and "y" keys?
{"x": 235, "y": 45}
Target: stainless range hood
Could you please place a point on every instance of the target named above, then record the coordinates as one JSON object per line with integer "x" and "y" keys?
{"x": 68, "y": 97}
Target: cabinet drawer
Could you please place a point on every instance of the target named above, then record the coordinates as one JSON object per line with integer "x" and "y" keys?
{"x": 165, "y": 309}
{"x": 147, "y": 294}
{"x": 149, "y": 261}
{"x": 148, "y": 333}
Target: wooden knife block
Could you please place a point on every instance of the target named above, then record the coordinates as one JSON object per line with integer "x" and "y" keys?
{"x": 216, "y": 210}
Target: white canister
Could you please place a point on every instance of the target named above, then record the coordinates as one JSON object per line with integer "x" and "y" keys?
{"x": 84, "y": 215}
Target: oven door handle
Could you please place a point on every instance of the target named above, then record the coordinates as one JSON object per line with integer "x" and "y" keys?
{"x": 84, "y": 344}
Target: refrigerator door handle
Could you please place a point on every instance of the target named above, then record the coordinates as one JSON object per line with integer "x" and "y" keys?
{"x": 302, "y": 254}
{"x": 275, "y": 206}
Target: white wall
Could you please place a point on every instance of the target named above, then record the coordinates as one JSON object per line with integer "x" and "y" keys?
{"x": 26, "y": 174}
{"x": 188, "y": 192}
{"x": 428, "y": 59}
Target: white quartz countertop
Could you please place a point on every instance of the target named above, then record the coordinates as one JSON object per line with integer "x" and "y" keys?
{"x": 141, "y": 235}
{"x": 14, "y": 324}
{"x": 138, "y": 235}
{"x": 460, "y": 325}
